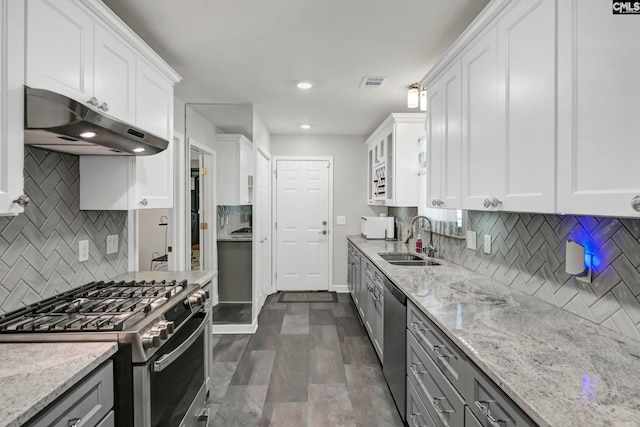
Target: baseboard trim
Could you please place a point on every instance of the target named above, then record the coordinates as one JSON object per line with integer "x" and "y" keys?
{"x": 231, "y": 329}
{"x": 340, "y": 288}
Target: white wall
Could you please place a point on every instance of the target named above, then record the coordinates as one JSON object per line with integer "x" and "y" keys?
{"x": 200, "y": 129}
{"x": 261, "y": 135}
{"x": 349, "y": 184}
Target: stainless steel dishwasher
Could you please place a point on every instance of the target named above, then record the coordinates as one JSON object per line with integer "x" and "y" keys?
{"x": 395, "y": 343}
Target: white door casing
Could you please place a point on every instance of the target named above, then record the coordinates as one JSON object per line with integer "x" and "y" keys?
{"x": 303, "y": 214}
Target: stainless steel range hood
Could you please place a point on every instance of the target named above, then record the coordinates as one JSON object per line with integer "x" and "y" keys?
{"x": 55, "y": 122}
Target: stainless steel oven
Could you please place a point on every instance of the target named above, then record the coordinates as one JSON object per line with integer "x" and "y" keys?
{"x": 170, "y": 389}
{"x": 163, "y": 332}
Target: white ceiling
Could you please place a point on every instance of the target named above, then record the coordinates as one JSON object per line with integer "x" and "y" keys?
{"x": 254, "y": 51}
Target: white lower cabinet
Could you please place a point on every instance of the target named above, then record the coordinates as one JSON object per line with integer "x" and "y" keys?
{"x": 89, "y": 403}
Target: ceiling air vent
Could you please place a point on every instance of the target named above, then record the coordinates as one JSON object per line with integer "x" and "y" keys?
{"x": 372, "y": 82}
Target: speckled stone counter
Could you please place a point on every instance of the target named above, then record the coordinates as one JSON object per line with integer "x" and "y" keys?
{"x": 34, "y": 375}
{"x": 560, "y": 369}
{"x": 197, "y": 277}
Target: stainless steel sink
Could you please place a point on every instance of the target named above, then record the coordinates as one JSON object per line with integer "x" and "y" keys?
{"x": 399, "y": 256}
{"x": 416, "y": 263}
{"x": 403, "y": 258}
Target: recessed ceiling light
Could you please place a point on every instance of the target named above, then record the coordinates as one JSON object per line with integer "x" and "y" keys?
{"x": 87, "y": 134}
{"x": 304, "y": 85}
{"x": 305, "y": 126}
{"x": 138, "y": 150}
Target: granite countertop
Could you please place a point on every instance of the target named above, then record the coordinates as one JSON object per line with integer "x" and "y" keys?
{"x": 245, "y": 238}
{"x": 34, "y": 375}
{"x": 199, "y": 277}
{"x": 562, "y": 370}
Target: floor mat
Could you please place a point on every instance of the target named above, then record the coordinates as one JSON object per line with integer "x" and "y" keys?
{"x": 302, "y": 296}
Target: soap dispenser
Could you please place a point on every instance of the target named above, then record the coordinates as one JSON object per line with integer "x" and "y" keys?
{"x": 419, "y": 244}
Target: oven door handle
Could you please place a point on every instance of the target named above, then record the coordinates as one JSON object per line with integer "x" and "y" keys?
{"x": 169, "y": 358}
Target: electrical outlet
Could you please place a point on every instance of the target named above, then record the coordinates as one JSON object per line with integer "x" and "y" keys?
{"x": 83, "y": 250}
{"x": 471, "y": 240}
{"x": 487, "y": 244}
{"x": 341, "y": 220}
{"x": 112, "y": 244}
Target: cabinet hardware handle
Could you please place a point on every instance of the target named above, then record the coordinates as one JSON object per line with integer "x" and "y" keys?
{"x": 144, "y": 202}
{"x": 104, "y": 107}
{"x": 486, "y": 203}
{"x": 22, "y": 201}
{"x": 324, "y": 231}
{"x": 416, "y": 328}
{"x": 439, "y": 203}
{"x": 635, "y": 203}
{"x": 495, "y": 202}
{"x": 414, "y": 369}
{"x": 74, "y": 422}
{"x": 434, "y": 202}
{"x": 483, "y": 405}
{"x": 414, "y": 421}
{"x": 436, "y": 404}
{"x": 436, "y": 350}
{"x": 93, "y": 101}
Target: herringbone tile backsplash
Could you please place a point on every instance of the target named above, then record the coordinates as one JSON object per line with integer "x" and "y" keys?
{"x": 39, "y": 248}
{"x": 528, "y": 253}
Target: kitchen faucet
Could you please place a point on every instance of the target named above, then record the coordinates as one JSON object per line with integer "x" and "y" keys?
{"x": 431, "y": 250}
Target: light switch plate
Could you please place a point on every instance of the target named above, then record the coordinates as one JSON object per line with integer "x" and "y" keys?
{"x": 471, "y": 240}
{"x": 341, "y": 220}
{"x": 487, "y": 244}
{"x": 112, "y": 244}
{"x": 83, "y": 250}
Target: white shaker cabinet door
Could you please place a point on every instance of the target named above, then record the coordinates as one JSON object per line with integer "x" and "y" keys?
{"x": 483, "y": 154}
{"x": 598, "y": 110}
{"x": 60, "y": 48}
{"x": 115, "y": 76}
{"x": 434, "y": 143}
{"x": 154, "y": 113}
{"x": 451, "y": 137}
{"x": 526, "y": 56}
{"x": 12, "y": 105}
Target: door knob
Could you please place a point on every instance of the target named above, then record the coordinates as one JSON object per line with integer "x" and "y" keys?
{"x": 495, "y": 202}
{"x": 104, "y": 107}
{"x": 635, "y": 203}
{"x": 324, "y": 231}
{"x": 324, "y": 222}
{"x": 93, "y": 101}
{"x": 486, "y": 203}
{"x": 144, "y": 202}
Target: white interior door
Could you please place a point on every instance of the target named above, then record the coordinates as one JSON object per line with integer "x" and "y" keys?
{"x": 302, "y": 225}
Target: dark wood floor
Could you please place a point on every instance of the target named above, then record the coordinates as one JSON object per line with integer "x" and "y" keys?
{"x": 307, "y": 365}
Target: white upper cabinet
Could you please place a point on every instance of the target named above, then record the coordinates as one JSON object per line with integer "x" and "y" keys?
{"x": 492, "y": 98}
{"x": 154, "y": 101}
{"x": 598, "y": 110}
{"x": 115, "y": 73}
{"x": 444, "y": 150}
{"x": 12, "y": 105}
{"x": 526, "y": 58}
{"x": 60, "y": 48}
{"x": 483, "y": 153}
{"x": 392, "y": 160}
{"x": 234, "y": 170}
{"x": 82, "y": 50}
